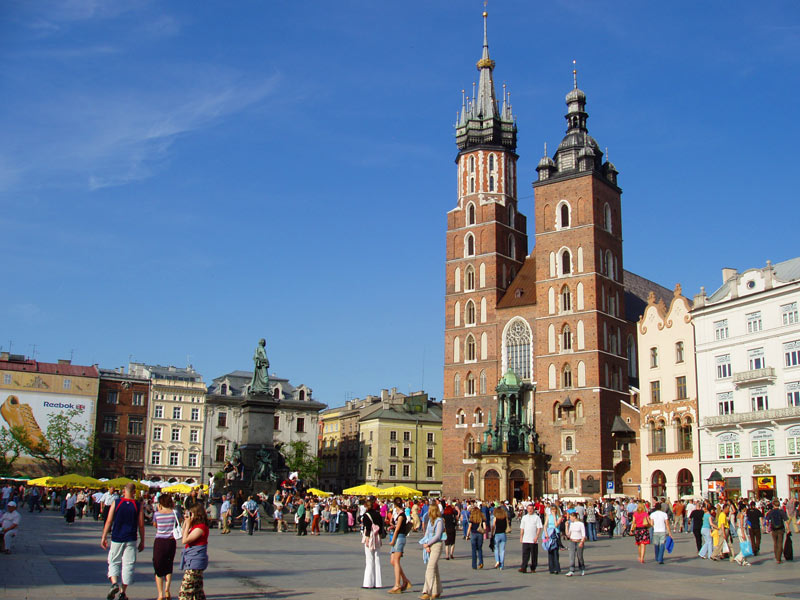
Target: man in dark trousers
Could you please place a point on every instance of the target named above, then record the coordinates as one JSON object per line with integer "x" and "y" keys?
{"x": 696, "y": 519}
{"x": 755, "y": 518}
{"x": 125, "y": 520}
{"x": 777, "y": 521}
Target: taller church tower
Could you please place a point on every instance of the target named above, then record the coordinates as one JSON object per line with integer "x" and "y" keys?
{"x": 486, "y": 246}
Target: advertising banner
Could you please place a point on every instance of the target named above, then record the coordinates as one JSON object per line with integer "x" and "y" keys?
{"x": 31, "y": 411}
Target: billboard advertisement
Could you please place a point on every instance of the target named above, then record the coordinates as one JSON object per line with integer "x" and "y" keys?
{"x": 31, "y": 411}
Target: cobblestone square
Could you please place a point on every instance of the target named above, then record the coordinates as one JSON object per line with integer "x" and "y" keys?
{"x": 53, "y": 560}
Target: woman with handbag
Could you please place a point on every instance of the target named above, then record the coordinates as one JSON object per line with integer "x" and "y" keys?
{"x": 371, "y": 533}
{"x": 640, "y": 529}
{"x": 475, "y": 531}
{"x": 552, "y": 544}
{"x": 194, "y": 558}
{"x": 165, "y": 520}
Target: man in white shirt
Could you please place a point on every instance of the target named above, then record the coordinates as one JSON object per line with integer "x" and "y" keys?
{"x": 107, "y": 500}
{"x": 661, "y": 530}
{"x": 530, "y": 527}
{"x": 225, "y": 515}
{"x": 9, "y": 525}
{"x": 576, "y": 534}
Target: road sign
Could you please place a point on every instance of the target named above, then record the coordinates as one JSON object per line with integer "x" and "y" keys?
{"x": 610, "y": 486}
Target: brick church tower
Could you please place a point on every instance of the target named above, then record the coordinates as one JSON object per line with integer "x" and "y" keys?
{"x": 581, "y": 367}
{"x": 486, "y": 247}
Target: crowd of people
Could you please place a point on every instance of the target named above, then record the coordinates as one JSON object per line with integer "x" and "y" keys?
{"x": 729, "y": 529}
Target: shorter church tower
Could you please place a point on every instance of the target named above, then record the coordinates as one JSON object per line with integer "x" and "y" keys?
{"x": 581, "y": 364}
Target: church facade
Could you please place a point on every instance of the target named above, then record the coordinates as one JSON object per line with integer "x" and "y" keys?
{"x": 540, "y": 346}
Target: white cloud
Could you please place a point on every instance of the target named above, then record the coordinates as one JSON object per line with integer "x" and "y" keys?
{"x": 104, "y": 139}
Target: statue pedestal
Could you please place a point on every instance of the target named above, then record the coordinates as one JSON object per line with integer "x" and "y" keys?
{"x": 258, "y": 427}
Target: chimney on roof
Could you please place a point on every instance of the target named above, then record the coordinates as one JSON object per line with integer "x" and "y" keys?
{"x": 64, "y": 361}
{"x": 3, "y": 355}
{"x": 384, "y": 395}
{"x": 727, "y": 273}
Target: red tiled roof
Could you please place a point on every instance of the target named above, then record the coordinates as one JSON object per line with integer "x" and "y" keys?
{"x": 32, "y": 366}
{"x": 522, "y": 291}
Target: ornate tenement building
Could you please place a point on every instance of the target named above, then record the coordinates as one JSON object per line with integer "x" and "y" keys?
{"x": 561, "y": 319}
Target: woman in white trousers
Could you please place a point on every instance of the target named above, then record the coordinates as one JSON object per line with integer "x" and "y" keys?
{"x": 372, "y": 545}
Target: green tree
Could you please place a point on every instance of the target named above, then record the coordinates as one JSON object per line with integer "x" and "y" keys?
{"x": 70, "y": 446}
{"x": 298, "y": 459}
{"x": 11, "y": 446}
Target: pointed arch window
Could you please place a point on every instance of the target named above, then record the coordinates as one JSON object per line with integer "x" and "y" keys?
{"x": 566, "y": 377}
{"x": 568, "y": 444}
{"x": 511, "y": 216}
{"x": 566, "y": 262}
{"x": 472, "y": 185}
{"x": 579, "y": 409}
{"x": 461, "y": 417}
{"x": 607, "y": 218}
{"x": 478, "y": 416}
{"x": 469, "y": 279}
{"x": 565, "y": 215}
{"x": 566, "y": 299}
{"x": 470, "y": 384}
{"x": 457, "y": 385}
{"x": 491, "y": 183}
{"x": 470, "y": 348}
{"x": 470, "y": 245}
{"x": 491, "y": 162}
{"x": 512, "y": 246}
{"x": 470, "y": 313}
{"x": 517, "y": 345}
{"x": 632, "y": 358}
{"x": 470, "y": 446}
{"x": 471, "y": 164}
{"x": 566, "y": 338}
{"x": 483, "y": 382}
{"x": 471, "y": 481}
{"x": 570, "y": 479}
{"x": 471, "y": 214}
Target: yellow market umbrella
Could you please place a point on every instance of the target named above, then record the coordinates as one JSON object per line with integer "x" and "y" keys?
{"x": 400, "y": 490}
{"x": 361, "y": 490}
{"x": 121, "y": 482}
{"x": 40, "y": 481}
{"x": 178, "y": 488}
{"x": 319, "y": 493}
{"x": 74, "y": 480}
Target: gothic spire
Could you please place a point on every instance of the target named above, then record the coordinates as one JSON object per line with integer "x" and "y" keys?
{"x": 487, "y": 103}
{"x": 481, "y": 122}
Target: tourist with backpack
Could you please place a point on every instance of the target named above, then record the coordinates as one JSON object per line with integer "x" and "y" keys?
{"x": 777, "y": 518}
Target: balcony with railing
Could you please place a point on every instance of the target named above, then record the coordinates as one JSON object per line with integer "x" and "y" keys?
{"x": 773, "y": 414}
{"x": 763, "y": 375}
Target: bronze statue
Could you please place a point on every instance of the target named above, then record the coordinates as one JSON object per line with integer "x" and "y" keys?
{"x": 260, "y": 382}
{"x": 263, "y": 470}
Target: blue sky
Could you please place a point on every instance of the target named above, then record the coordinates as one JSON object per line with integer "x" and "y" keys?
{"x": 179, "y": 179}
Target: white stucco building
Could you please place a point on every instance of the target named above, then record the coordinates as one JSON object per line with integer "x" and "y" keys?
{"x": 748, "y": 370}
{"x": 668, "y": 400}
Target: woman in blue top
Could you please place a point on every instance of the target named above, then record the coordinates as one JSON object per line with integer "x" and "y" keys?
{"x": 552, "y": 526}
{"x": 705, "y": 531}
{"x": 433, "y": 582}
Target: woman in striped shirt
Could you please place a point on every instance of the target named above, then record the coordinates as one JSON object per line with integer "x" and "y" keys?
{"x": 164, "y": 520}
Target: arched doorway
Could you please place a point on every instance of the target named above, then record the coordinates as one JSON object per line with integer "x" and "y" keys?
{"x": 685, "y": 483}
{"x": 518, "y": 486}
{"x": 658, "y": 485}
{"x": 491, "y": 486}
